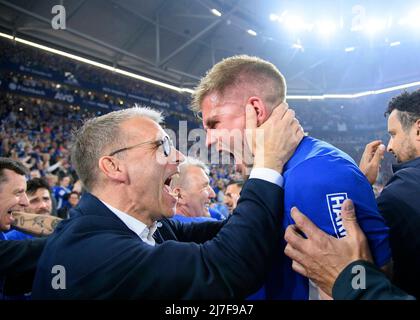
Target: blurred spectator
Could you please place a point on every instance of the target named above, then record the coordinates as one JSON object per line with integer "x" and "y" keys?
{"x": 219, "y": 189}
{"x": 62, "y": 191}
{"x": 192, "y": 187}
{"x": 231, "y": 198}
{"x": 12, "y": 192}
{"x": 39, "y": 203}
{"x": 73, "y": 199}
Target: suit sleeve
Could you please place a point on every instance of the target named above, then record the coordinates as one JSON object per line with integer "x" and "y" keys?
{"x": 198, "y": 232}
{"x": 377, "y": 285}
{"x": 319, "y": 186}
{"x": 20, "y": 256}
{"x": 18, "y": 261}
{"x": 231, "y": 265}
{"x": 400, "y": 210}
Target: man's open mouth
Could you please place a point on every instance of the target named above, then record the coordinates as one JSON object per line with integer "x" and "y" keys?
{"x": 167, "y": 185}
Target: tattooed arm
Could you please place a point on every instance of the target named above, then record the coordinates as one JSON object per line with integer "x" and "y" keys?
{"x": 35, "y": 224}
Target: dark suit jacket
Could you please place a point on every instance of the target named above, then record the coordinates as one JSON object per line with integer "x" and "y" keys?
{"x": 18, "y": 261}
{"x": 18, "y": 257}
{"x": 399, "y": 203}
{"x": 103, "y": 259}
{"x": 378, "y": 286}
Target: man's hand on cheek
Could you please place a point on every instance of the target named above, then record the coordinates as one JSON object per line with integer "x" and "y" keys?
{"x": 275, "y": 141}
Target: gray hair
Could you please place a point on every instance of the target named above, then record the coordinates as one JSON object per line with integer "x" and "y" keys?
{"x": 183, "y": 167}
{"x": 96, "y": 134}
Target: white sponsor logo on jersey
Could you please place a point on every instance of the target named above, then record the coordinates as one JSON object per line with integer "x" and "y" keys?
{"x": 335, "y": 201}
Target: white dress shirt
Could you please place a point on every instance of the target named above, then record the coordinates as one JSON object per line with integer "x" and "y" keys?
{"x": 144, "y": 232}
{"x": 268, "y": 175}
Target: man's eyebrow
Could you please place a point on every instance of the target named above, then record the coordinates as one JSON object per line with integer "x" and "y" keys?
{"x": 211, "y": 122}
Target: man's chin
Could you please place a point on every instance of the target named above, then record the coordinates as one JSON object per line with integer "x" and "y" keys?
{"x": 5, "y": 228}
{"x": 207, "y": 212}
{"x": 169, "y": 213}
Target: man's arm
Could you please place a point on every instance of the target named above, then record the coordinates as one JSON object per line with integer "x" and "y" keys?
{"x": 18, "y": 257}
{"x": 35, "y": 224}
{"x": 198, "y": 232}
{"x": 231, "y": 265}
{"x": 329, "y": 262}
{"x": 377, "y": 285}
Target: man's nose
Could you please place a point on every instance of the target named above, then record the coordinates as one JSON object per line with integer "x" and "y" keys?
{"x": 43, "y": 205}
{"x": 211, "y": 138}
{"x": 176, "y": 156}
{"x": 389, "y": 146}
{"x": 23, "y": 200}
{"x": 212, "y": 194}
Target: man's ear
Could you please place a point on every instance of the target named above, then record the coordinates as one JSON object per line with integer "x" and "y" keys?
{"x": 417, "y": 129}
{"x": 112, "y": 168}
{"x": 260, "y": 108}
{"x": 180, "y": 195}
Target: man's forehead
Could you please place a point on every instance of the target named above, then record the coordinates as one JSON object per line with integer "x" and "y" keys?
{"x": 192, "y": 169}
{"x": 142, "y": 128}
{"x": 218, "y": 107}
{"x": 393, "y": 120}
{"x": 38, "y": 192}
{"x": 197, "y": 173}
{"x": 210, "y": 104}
{"x": 12, "y": 175}
{"x": 232, "y": 187}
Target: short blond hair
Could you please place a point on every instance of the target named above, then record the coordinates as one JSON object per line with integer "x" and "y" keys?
{"x": 258, "y": 76}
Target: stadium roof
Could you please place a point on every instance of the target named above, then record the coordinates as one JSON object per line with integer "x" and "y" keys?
{"x": 176, "y": 41}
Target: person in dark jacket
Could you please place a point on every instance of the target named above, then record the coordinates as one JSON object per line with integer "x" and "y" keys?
{"x": 115, "y": 247}
{"x": 377, "y": 286}
{"x": 17, "y": 259}
{"x": 399, "y": 202}
{"x": 343, "y": 267}
{"x": 73, "y": 199}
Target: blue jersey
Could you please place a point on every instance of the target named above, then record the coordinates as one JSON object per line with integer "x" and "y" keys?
{"x": 18, "y": 235}
{"x": 215, "y": 213}
{"x": 184, "y": 219}
{"x": 60, "y": 195}
{"x": 317, "y": 180}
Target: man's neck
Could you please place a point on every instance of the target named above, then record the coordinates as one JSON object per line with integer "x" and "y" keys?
{"x": 126, "y": 206}
{"x": 183, "y": 211}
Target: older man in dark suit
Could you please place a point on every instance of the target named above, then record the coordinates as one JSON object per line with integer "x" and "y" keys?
{"x": 120, "y": 245}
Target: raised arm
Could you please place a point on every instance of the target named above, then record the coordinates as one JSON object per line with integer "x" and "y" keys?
{"x": 35, "y": 224}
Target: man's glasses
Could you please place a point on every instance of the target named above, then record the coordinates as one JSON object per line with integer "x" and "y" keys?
{"x": 166, "y": 142}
